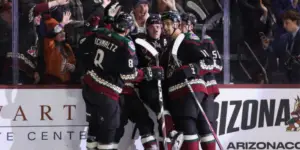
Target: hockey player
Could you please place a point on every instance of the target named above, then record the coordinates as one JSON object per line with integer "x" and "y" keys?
{"x": 148, "y": 90}
{"x": 131, "y": 104}
{"x": 113, "y": 62}
{"x": 129, "y": 101}
{"x": 188, "y": 22}
{"x": 207, "y": 139}
{"x": 195, "y": 64}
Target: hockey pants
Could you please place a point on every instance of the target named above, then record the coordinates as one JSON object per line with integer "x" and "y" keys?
{"x": 133, "y": 109}
{"x": 150, "y": 97}
{"x": 189, "y": 120}
{"x": 103, "y": 116}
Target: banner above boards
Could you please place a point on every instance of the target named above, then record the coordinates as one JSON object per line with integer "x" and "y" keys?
{"x": 52, "y": 119}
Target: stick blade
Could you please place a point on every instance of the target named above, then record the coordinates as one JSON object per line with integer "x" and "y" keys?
{"x": 147, "y": 46}
{"x": 197, "y": 9}
{"x": 177, "y": 43}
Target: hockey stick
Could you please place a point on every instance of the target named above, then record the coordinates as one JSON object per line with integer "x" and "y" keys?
{"x": 133, "y": 132}
{"x": 175, "y": 48}
{"x": 179, "y": 8}
{"x": 219, "y": 4}
{"x": 204, "y": 8}
{"x": 154, "y": 53}
{"x": 192, "y": 5}
{"x": 211, "y": 23}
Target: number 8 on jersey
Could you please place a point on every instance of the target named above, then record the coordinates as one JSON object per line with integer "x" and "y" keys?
{"x": 99, "y": 58}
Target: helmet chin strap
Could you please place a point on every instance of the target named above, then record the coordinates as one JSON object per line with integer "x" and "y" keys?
{"x": 189, "y": 27}
{"x": 173, "y": 33}
{"x": 174, "y": 30}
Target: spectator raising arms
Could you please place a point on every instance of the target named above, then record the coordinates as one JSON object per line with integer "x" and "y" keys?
{"x": 27, "y": 51}
{"x": 59, "y": 58}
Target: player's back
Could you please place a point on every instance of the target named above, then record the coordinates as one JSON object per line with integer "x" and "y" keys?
{"x": 112, "y": 55}
{"x": 189, "y": 49}
{"x": 110, "y": 52}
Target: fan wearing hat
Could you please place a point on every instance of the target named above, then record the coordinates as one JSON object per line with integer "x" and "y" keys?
{"x": 140, "y": 14}
{"x": 27, "y": 44}
{"x": 59, "y": 58}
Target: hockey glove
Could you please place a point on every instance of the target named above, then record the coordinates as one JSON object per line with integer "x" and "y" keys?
{"x": 92, "y": 23}
{"x": 153, "y": 73}
{"x": 110, "y": 12}
{"x": 187, "y": 71}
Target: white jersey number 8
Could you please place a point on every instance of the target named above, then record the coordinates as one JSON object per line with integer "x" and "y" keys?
{"x": 130, "y": 63}
{"x": 99, "y": 58}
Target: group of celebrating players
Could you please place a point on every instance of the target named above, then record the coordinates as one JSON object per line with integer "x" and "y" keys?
{"x": 121, "y": 77}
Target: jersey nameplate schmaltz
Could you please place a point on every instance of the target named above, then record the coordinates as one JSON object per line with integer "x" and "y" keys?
{"x": 106, "y": 44}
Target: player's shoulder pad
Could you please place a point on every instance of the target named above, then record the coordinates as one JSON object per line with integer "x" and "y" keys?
{"x": 130, "y": 45}
{"x": 127, "y": 42}
{"x": 207, "y": 37}
{"x": 191, "y": 36}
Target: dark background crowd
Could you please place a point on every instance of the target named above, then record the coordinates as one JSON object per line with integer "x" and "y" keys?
{"x": 263, "y": 48}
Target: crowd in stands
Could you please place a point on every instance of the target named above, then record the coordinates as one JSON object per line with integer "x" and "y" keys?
{"x": 264, "y": 46}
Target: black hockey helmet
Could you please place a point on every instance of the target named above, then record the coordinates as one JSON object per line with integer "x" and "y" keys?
{"x": 153, "y": 19}
{"x": 172, "y": 15}
{"x": 189, "y": 18}
{"x": 122, "y": 22}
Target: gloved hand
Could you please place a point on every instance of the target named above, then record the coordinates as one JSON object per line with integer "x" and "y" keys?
{"x": 110, "y": 12}
{"x": 93, "y": 22}
{"x": 153, "y": 73}
{"x": 187, "y": 71}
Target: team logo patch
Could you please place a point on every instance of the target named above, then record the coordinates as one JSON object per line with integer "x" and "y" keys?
{"x": 32, "y": 52}
{"x": 156, "y": 44}
{"x": 165, "y": 42}
{"x": 131, "y": 45}
{"x": 194, "y": 37}
{"x": 82, "y": 40}
{"x": 87, "y": 24}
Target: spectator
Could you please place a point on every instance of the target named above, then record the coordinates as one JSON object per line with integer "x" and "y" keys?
{"x": 94, "y": 9}
{"x": 287, "y": 49}
{"x": 291, "y": 22}
{"x": 27, "y": 52}
{"x": 279, "y": 7}
{"x": 140, "y": 14}
{"x": 59, "y": 58}
{"x": 160, "y": 6}
{"x": 74, "y": 30}
{"x": 257, "y": 22}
